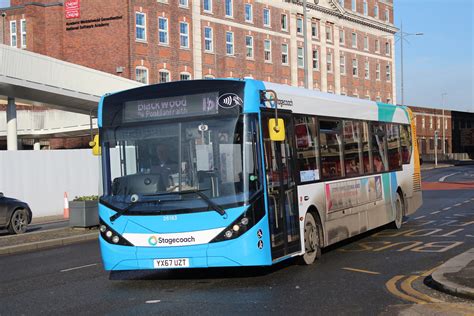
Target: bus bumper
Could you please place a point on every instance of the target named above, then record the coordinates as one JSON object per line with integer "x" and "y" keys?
{"x": 249, "y": 249}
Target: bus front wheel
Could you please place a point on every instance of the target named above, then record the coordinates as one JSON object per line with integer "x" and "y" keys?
{"x": 312, "y": 239}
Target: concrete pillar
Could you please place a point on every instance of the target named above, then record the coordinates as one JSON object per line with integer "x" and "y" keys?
{"x": 12, "y": 137}
{"x": 37, "y": 145}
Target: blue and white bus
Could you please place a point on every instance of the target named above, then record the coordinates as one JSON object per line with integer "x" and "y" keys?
{"x": 207, "y": 173}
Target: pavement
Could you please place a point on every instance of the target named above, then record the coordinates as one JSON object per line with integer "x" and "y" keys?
{"x": 456, "y": 276}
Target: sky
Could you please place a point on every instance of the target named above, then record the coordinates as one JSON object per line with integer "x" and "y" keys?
{"x": 441, "y": 60}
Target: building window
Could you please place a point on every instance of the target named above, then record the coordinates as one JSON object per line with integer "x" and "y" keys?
{"x": 23, "y": 33}
{"x": 341, "y": 3}
{"x": 207, "y": 5}
{"x": 299, "y": 26}
{"x": 141, "y": 75}
{"x": 377, "y": 46}
{"x": 184, "y": 34}
{"x": 329, "y": 33}
{"x": 164, "y": 76}
{"x": 140, "y": 26}
{"x": 315, "y": 59}
{"x": 376, "y": 11}
{"x": 267, "y": 47}
{"x": 208, "y": 40}
{"x": 249, "y": 45}
{"x": 377, "y": 72}
{"x": 423, "y": 125}
{"x": 184, "y": 76}
{"x": 266, "y": 17}
{"x": 342, "y": 37}
{"x": 388, "y": 73}
{"x": 248, "y": 13}
{"x": 353, "y": 5}
{"x": 387, "y": 48}
{"x": 183, "y": 3}
{"x": 342, "y": 63}
{"x": 387, "y": 16}
{"x": 13, "y": 36}
{"x": 366, "y": 8}
{"x": 284, "y": 54}
{"x": 229, "y": 8}
{"x": 355, "y": 70}
{"x": 163, "y": 30}
{"x": 300, "y": 57}
{"x": 229, "y": 43}
{"x": 366, "y": 43}
{"x": 431, "y": 122}
{"x": 367, "y": 70}
{"x": 329, "y": 62}
{"x": 354, "y": 40}
{"x": 208, "y": 77}
{"x": 284, "y": 22}
{"x": 314, "y": 29}
{"x": 438, "y": 121}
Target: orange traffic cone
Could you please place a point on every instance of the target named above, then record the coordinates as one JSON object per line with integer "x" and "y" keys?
{"x": 66, "y": 206}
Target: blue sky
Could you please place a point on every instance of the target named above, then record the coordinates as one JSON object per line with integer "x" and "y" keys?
{"x": 442, "y": 59}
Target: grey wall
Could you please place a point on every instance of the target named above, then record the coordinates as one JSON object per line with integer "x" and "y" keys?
{"x": 40, "y": 178}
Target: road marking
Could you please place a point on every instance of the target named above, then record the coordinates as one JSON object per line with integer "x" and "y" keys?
{"x": 152, "y": 301}
{"x": 420, "y": 217}
{"x": 458, "y": 204}
{"x": 447, "y": 208}
{"x": 467, "y": 201}
{"x": 469, "y": 236}
{"x": 359, "y": 270}
{"x": 435, "y": 212}
{"x": 408, "y": 288}
{"x": 445, "y": 177}
{"x": 392, "y": 288}
{"x": 81, "y": 267}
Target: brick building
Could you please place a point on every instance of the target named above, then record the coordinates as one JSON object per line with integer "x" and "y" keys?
{"x": 428, "y": 121}
{"x": 350, "y": 42}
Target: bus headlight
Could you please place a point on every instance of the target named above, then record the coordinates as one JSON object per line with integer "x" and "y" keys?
{"x": 244, "y": 222}
{"x": 111, "y": 236}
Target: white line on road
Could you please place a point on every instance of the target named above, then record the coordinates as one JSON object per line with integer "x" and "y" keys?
{"x": 81, "y": 267}
{"x": 447, "y": 208}
{"x": 435, "y": 212}
{"x": 153, "y": 301}
{"x": 419, "y": 217}
{"x": 458, "y": 204}
{"x": 445, "y": 177}
{"x": 467, "y": 201}
{"x": 469, "y": 236}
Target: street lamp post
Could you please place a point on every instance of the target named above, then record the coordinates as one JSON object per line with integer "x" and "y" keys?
{"x": 305, "y": 47}
{"x": 444, "y": 127}
{"x": 403, "y": 35}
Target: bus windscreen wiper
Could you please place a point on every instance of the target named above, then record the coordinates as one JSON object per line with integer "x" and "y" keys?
{"x": 215, "y": 206}
{"x": 134, "y": 200}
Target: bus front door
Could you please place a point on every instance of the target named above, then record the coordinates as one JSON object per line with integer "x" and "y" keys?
{"x": 282, "y": 194}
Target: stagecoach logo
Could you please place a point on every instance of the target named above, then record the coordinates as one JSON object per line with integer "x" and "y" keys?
{"x": 171, "y": 241}
{"x": 230, "y": 100}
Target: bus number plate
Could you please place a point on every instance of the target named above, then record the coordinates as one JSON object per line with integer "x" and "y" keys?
{"x": 171, "y": 263}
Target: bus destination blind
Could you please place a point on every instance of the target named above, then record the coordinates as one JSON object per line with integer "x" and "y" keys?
{"x": 166, "y": 108}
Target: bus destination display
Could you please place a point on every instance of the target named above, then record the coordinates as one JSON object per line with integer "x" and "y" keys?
{"x": 165, "y": 108}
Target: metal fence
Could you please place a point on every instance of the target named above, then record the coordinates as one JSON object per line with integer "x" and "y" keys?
{"x": 40, "y": 178}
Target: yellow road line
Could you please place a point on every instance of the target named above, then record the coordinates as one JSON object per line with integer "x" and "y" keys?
{"x": 360, "y": 270}
{"x": 408, "y": 288}
{"x": 392, "y": 288}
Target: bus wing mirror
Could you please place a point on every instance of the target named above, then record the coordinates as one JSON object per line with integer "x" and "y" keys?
{"x": 95, "y": 145}
{"x": 276, "y": 129}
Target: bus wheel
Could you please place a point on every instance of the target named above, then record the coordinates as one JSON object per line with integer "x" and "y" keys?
{"x": 397, "y": 223}
{"x": 312, "y": 240}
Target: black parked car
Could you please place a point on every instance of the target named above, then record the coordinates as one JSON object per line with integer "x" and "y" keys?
{"x": 15, "y": 215}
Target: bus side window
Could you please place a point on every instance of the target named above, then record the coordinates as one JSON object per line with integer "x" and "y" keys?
{"x": 393, "y": 144}
{"x": 366, "y": 153}
{"x": 379, "y": 152}
{"x": 405, "y": 139}
{"x": 307, "y": 148}
{"x": 330, "y": 140}
{"x": 351, "y": 148}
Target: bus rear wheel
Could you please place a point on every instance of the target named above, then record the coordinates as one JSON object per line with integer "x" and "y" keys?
{"x": 312, "y": 240}
{"x": 397, "y": 223}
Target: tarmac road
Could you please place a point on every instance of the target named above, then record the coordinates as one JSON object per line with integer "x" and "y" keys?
{"x": 380, "y": 272}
